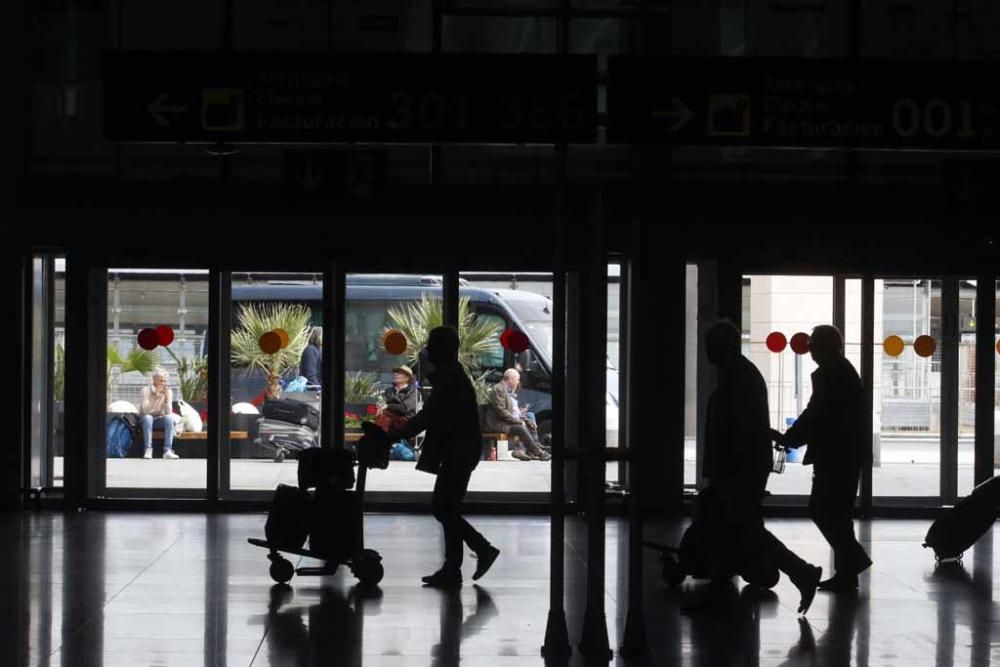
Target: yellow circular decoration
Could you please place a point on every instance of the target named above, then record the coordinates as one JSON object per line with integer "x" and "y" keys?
{"x": 283, "y": 335}
{"x": 269, "y": 342}
{"x": 394, "y": 342}
{"x": 924, "y": 346}
{"x": 893, "y": 346}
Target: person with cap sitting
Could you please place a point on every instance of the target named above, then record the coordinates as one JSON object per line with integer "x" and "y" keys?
{"x": 399, "y": 401}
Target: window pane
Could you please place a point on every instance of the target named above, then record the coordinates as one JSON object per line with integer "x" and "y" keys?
{"x": 157, "y": 323}
{"x": 907, "y": 393}
{"x": 262, "y": 449}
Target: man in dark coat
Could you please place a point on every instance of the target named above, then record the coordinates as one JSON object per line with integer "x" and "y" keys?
{"x": 451, "y": 450}
{"x": 833, "y": 426}
{"x": 737, "y": 463}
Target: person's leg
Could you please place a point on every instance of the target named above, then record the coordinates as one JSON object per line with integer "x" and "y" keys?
{"x": 831, "y": 507}
{"x": 147, "y": 432}
{"x": 849, "y": 556}
{"x": 166, "y": 423}
{"x": 528, "y": 439}
{"x": 805, "y": 576}
{"x": 819, "y": 510}
{"x": 449, "y": 489}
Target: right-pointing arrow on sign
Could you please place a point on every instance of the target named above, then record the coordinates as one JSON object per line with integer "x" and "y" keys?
{"x": 158, "y": 109}
{"x": 679, "y": 113}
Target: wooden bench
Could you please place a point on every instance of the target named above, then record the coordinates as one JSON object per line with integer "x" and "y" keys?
{"x": 203, "y": 435}
{"x": 490, "y": 444}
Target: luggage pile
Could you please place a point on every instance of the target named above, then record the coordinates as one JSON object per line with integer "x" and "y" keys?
{"x": 288, "y": 426}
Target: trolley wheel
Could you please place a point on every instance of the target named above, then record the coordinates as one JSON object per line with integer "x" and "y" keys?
{"x": 673, "y": 575}
{"x": 368, "y": 568}
{"x": 282, "y": 570}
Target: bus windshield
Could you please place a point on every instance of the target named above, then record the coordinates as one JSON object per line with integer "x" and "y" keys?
{"x": 536, "y": 316}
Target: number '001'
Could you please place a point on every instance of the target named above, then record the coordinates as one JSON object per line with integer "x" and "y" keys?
{"x": 935, "y": 118}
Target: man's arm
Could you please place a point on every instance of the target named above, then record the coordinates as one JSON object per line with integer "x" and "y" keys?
{"x": 420, "y": 421}
{"x": 805, "y": 426}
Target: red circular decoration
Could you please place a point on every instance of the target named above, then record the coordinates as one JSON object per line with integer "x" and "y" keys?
{"x": 519, "y": 342}
{"x": 394, "y": 342}
{"x": 270, "y": 343}
{"x": 148, "y": 339}
{"x": 505, "y": 338}
{"x": 800, "y": 343}
{"x": 776, "y": 341}
{"x": 165, "y": 335}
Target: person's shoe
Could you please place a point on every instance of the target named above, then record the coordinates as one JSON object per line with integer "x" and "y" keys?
{"x": 485, "y": 559}
{"x": 443, "y": 579}
{"x": 865, "y": 563}
{"x": 807, "y": 584}
{"x": 169, "y": 454}
{"x": 840, "y": 583}
{"x": 520, "y": 454}
{"x": 148, "y": 454}
{"x": 542, "y": 455}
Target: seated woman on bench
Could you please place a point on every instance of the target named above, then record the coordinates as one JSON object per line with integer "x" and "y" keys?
{"x": 156, "y": 411}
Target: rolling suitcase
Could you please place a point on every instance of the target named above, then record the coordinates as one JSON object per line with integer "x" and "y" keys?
{"x": 292, "y": 412}
{"x": 961, "y": 526}
{"x": 289, "y": 520}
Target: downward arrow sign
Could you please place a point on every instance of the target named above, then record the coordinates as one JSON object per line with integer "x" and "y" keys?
{"x": 309, "y": 179}
{"x": 679, "y": 113}
{"x": 158, "y": 109}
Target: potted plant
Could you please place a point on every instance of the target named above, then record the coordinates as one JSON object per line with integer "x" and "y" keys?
{"x": 253, "y": 321}
{"x": 361, "y": 394}
{"x": 192, "y": 380}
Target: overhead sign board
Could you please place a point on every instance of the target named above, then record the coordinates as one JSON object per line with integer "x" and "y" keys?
{"x": 342, "y": 98}
{"x": 803, "y": 102}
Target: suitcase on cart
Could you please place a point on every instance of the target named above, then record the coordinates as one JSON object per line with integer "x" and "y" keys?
{"x": 961, "y": 526}
{"x": 333, "y": 514}
{"x": 292, "y": 412}
{"x": 284, "y": 438}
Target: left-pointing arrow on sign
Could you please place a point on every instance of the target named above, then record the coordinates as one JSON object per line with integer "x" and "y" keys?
{"x": 159, "y": 109}
{"x": 679, "y": 113}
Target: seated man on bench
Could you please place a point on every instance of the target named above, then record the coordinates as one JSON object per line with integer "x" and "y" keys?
{"x": 504, "y": 416}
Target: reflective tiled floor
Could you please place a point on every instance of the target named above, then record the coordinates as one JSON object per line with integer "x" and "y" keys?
{"x": 156, "y": 589}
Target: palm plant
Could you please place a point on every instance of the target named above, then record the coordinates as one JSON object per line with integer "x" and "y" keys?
{"x": 253, "y": 321}
{"x": 478, "y": 338}
{"x": 143, "y": 361}
{"x": 192, "y": 376}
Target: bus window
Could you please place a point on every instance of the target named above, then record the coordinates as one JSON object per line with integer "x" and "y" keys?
{"x": 492, "y": 359}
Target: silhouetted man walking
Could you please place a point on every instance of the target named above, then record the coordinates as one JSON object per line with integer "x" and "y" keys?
{"x": 738, "y": 461}
{"x": 451, "y": 450}
{"x": 833, "y": 426}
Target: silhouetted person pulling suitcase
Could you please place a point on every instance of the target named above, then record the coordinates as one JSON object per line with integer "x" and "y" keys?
{"x": 738, "y": 462}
